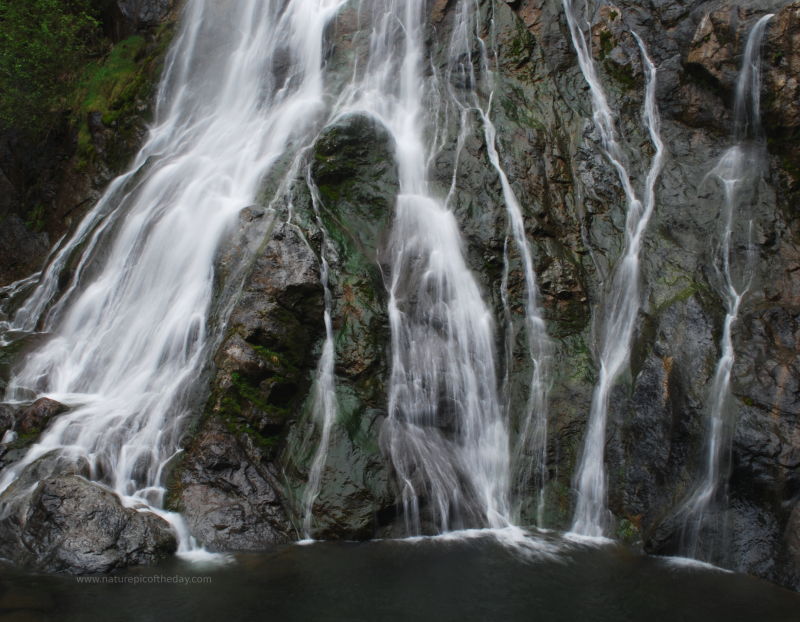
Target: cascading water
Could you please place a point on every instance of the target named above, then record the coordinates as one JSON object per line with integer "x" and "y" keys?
{"x": 242, "y": 87}
{"x": 444, "y": 433}
{"x": 323, "y": 408}
{"x": 623, "y": 297}
{"x": 738, "y": 168}
{"x": 529, "y": 451}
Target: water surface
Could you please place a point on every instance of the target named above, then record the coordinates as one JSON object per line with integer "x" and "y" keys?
{"x": 428, "y": 579}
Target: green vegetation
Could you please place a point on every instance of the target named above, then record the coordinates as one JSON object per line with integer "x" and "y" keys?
{"x": 629, "y": 531}
{"x": 36, "y": 218}
{"x": 606, "y": 44}
{"x": 623, "y": 74}
{"x": 109, "y": 86}
{"x": 42, "y": 46}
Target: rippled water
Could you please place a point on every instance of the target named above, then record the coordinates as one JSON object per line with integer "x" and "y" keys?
{"x": 442, "y": 579}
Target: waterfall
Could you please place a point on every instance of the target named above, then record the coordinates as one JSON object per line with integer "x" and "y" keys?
{"x": 738, "y": 167}
{"x": 242, "y": 87}
{"x": 529, "y": 448}
{"x": 444, "y": 433}
{"x": 622, "y": 297}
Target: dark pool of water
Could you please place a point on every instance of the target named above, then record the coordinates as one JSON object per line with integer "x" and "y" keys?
{"x": 477, "y": 579}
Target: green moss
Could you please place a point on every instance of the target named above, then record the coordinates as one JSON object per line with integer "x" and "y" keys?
{"x": 109, "y": 87}
{"x": 116, "y": 86}
{"x": 252, "y": 394}
{"x": 581, "y": 365}
{"x": 110, "y": 79}
{"x": 622, "y": 74}
{"x": 516, "y": 109}
{"x": 24, "y": 440}
{"x": 231, "y": 411}
{"x": 42, "y": 45}
{"x": 606, "y": 44}
{"x": 276, "y": 359}
{"x": 520, "y": 46}
{"x": 36, "y": 218}
{"x": 628, "y": 532}
{"x": 681, "y": 296}
{"x": 237, "y": 427}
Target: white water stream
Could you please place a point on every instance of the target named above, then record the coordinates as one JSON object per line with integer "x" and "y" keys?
{"x": 738, "y": 168}
{"x": 324, "y": 406}
{"x": 445, "y": 434}
{"x": 623, "y": 296}
{"x": 529, "y": 446}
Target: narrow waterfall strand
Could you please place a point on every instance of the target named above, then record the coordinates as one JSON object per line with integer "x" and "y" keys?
{"x": 737, "y": 167}
{"x": 623, "y": 297}
{"x": 324, "y": 405}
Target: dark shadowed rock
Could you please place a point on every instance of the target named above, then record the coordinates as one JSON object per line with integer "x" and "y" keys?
{"x": 225, "y": 485}
{"x": 145, "y": 12}
{"x": 20, "y": 248}
{"x": 8, "y": 417}
{"x": 35, "y": 417}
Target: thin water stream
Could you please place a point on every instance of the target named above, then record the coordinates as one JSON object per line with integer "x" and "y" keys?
{"x": 616, "y": 317}
{"x": 737, "y": 170}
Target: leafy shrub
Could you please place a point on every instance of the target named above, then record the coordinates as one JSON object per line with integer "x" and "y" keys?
{"x": 42, "y": 46}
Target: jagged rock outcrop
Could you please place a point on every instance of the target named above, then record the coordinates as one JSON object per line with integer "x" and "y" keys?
{"x": 227, "y": 485}
{"x": 259, "y": 414}
{"x": 228, "y": 495}
{"x": 24, "y": 424}
{"x": 35, "y": 417}
{"x": 354, "y": 170}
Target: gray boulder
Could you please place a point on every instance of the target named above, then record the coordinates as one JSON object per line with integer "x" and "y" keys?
{"x": 228, "y": 499}
{"x": 35, "y": 417}
{"x": 65, "y": 523}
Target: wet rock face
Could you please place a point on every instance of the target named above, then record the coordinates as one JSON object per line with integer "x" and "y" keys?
{"x": 354, "y": 171}
{"x": 258, "y": 421}
{"x": 8, "y": 417}
{"x": 228, "y": 495}
{"x": 225, "y": 485}
{"x": 782, "y": 102}
{"x": 67, "y": 524}
{"x": 658, "y": 420}
{"x": 25, "y": 424}
{"x": 20, "y": 248}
